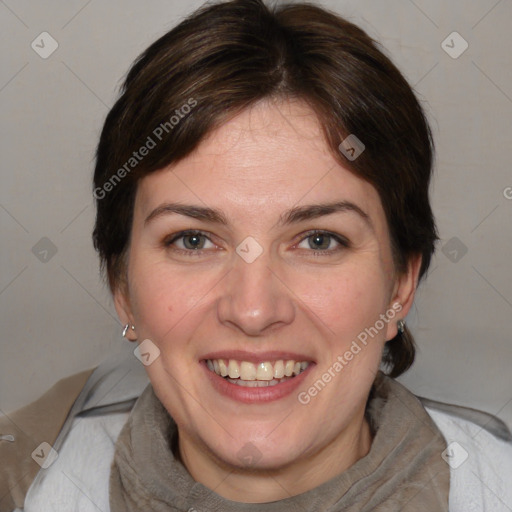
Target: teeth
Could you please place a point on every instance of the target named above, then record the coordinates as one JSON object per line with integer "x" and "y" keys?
{"x": 265, "y": 371}
{"x": 257, "y": 383}
{"x": 247, "y": 371}
{"x": 256, "y": 374}
{"x": 223, "y": 368}
{"x": 279, "y": 369}
{"x": 233, "y": 369}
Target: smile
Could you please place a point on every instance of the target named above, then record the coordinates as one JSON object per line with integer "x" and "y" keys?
{"x": 262, "y": 374}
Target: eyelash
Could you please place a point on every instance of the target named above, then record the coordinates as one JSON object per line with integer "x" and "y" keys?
{"x": 342, "y": 241}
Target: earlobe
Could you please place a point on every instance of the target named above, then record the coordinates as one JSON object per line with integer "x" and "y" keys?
{"x": 123, "y": 308}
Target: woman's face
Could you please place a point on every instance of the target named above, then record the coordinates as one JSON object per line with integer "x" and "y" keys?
{"x": 285, "y": 266}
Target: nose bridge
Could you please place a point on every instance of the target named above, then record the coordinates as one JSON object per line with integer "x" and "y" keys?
{"x": 253, "y": 298}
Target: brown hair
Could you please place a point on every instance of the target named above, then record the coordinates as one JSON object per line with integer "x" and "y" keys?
{"x": 229, "y": 55}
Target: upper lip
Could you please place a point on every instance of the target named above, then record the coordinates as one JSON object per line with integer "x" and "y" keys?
{"x": 257, "y": 357}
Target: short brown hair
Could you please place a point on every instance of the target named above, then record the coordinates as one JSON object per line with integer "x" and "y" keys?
{"x": 229, "y": 55}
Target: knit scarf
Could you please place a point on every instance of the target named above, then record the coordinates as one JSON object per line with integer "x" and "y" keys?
{"x": 403, "y": 471}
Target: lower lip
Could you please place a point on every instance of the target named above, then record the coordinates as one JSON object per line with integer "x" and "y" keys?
{"x": 248, "y": 395}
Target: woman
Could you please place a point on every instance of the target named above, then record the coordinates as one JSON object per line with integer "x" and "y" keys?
{"x": 263, "y": 219}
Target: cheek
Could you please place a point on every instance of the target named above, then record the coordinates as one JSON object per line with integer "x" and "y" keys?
{"x": 347, "y": 301}
{"x": 164, "y": 300}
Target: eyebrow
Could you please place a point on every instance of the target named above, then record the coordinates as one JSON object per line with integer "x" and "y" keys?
{"x": 292, "y": 216}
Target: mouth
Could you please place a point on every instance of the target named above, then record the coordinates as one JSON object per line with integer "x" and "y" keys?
{"x": 256, "y": 375}
{"x": 250, "y": 378}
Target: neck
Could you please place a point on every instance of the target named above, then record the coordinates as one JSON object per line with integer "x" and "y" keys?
{"x": 266, "y": 485}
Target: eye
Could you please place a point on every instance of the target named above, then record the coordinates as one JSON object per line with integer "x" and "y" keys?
{"x": 188, "y": 241}
{"x": 323, "y": 242}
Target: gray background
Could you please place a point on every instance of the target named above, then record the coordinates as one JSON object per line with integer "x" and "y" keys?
{"x": 57, "y": 317}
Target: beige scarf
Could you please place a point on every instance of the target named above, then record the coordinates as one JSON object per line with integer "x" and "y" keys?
{"x": 403, "y": 470}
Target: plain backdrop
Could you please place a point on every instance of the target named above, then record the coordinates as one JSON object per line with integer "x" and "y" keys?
{"x": 57, "y": 317}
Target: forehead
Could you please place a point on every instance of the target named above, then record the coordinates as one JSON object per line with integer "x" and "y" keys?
{"x": 273, "y": 154}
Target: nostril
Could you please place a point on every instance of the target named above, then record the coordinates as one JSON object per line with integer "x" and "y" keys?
{"x": 8, "y": 437}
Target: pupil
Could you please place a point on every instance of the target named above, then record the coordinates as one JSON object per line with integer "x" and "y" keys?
{"x": 320, "y": 242}
{"x": 193, "y": 241}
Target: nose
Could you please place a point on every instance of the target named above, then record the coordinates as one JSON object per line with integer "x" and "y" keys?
{"x": 254, "y": 299}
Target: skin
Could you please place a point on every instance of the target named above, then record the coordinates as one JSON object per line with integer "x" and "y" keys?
{"x": 270, "y": 158}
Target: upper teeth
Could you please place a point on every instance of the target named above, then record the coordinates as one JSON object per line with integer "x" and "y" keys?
{"x": 260, "y": 371}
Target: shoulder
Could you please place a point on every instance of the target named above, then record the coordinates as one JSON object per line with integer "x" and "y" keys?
{"x": 27, "y": 435}
{"x": 73, "y": 427}
{"x": 80, "y": 474}
{"x": 479, "y": 453}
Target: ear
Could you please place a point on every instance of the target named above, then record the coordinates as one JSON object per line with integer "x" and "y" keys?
{"x": 403, "y": 294}
{"x": 124, "y": 311}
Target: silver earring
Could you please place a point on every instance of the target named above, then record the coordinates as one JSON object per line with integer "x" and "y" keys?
{"x": 126, "y": 327}
{"x": 400, "y": 326}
